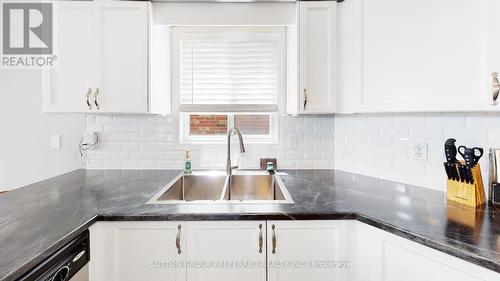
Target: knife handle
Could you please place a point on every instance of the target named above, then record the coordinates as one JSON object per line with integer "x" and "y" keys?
{"x": 450, "y": 150}
{"x": 468, "y": 174}
{"x": 447, "y": 169}
{"x": 454, "y": 172}
{"x": 471, "y": 176}
{"x": 461, "y": 172}
{"x": 469, "y": 157}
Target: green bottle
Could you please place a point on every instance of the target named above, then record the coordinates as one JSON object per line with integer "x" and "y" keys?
{"x": 187, "y": 162}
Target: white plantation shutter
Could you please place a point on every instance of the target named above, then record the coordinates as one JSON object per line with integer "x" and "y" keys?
{"x": 232, "y": 69}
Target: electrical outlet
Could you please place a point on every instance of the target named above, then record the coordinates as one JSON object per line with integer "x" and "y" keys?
{"x": 419, "y": 151}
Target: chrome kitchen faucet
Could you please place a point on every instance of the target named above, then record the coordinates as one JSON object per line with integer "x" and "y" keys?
{"x": 229, "y": 167}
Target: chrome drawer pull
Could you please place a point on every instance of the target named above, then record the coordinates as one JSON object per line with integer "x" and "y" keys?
{"x": 178, "y": 240}
{"x": 274, "y": 238}
{"x": 305, "y": 99}
{"x": 95, "y": 99}
{"x": 89, "y": 92}
{"x": 261, "y": 239}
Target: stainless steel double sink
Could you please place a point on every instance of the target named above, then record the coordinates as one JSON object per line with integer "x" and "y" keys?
{"x": 216, "y": 187}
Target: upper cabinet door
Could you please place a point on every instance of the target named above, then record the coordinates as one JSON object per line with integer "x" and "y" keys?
{"x": 405, "y": 55}
{"x": 122, "y": 55}
{"x": 233, "y": 241}
{"x": 317, "y": 56}
{"x": 493, "y": 38}
{"x": 68, "y": 86}
{"x": 304, "y": 243}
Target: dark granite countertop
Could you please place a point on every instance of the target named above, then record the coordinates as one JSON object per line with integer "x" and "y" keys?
{"x": 38, "y": 219}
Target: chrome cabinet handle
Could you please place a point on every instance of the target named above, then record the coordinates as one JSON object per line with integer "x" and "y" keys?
{"x": 178, "y": 240}
{"x": 89, "y": 92}
{"x": 274, "y": 238}
{"x": 261, "y": 239}
{"x": 495, "y": 86}
{"x": 305, "y": 99}
{"x": 95, "y": 99}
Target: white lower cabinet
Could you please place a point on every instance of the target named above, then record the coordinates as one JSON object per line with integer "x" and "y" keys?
{"x": 382, "y": 256}
{"x": 307, "y": 250}
{"x": 132, "y": 251}
{"x": 227, "y": 251}
{"x": 285, "y": 250}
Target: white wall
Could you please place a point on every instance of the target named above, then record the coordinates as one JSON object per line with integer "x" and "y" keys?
{"x": 379, "y": 145}
{"x": 25, "y": 153}
{"x": 141, "y": 141}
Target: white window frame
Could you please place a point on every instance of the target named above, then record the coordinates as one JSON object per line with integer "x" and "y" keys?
{"x": 275, "y": 112}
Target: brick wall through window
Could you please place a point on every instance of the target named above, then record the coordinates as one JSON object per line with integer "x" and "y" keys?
{"x": 252, "y": 124}
{"x": 218, "y": 124}
{"x": 207, "y": 124}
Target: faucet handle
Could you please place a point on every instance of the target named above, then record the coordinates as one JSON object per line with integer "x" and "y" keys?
{"x": 270, "y": 168}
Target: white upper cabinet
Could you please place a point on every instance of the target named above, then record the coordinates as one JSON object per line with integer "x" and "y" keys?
{"x": 317, "y": 57}
{"x": 493, "y": 55}
{"x": 416, "y": 56}
{"x": 123, "y": 56}
{"x": 68, "y": 86}
{"x": 102, "y": 63}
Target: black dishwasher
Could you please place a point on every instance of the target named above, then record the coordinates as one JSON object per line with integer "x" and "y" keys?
{"x": 63, "y": 264}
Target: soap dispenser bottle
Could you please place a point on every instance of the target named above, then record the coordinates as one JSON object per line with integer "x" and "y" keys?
{"x": 187, "y": 162}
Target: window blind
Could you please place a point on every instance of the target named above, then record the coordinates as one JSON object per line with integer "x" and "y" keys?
{"x": 232, "y": 68}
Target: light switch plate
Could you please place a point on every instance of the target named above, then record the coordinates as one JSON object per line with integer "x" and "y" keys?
{"x": 55, "y": 141}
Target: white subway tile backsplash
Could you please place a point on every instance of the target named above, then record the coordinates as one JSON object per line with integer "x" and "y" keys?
{"x": 94, "y": 127}
{"x": 323, "y": 146}
{"x": 426, "y": 133}
{"x": 102, "y": 119}
{"x": 130, "y": 146}
{"x": 295, "y": 155}
{"x": 129, "y": 128}
{"x": 409, "y": 121}
{"x": 446, "y": 120}
{"x": 312, "y": 155}
{"x": 395, "y": 131}
{"x": 375, "y": 145}
{"x": 392, "y": 136}
{"x": 111, "y": 164}
{"x": 151, "y": 142}
{"x": 121, "y": 119}
{"x": 305, "y": 164}
{"x": 322, "y": 164}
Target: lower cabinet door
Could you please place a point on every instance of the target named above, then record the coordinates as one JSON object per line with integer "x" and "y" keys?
{"x": 226, "y": 251}
{"x": 307, "y": 250}
{"x": 132, "y": 251}
{"x": 382, "y": 256}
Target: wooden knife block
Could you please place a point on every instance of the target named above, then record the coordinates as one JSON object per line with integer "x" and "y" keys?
{"x": 465, "y": 193}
